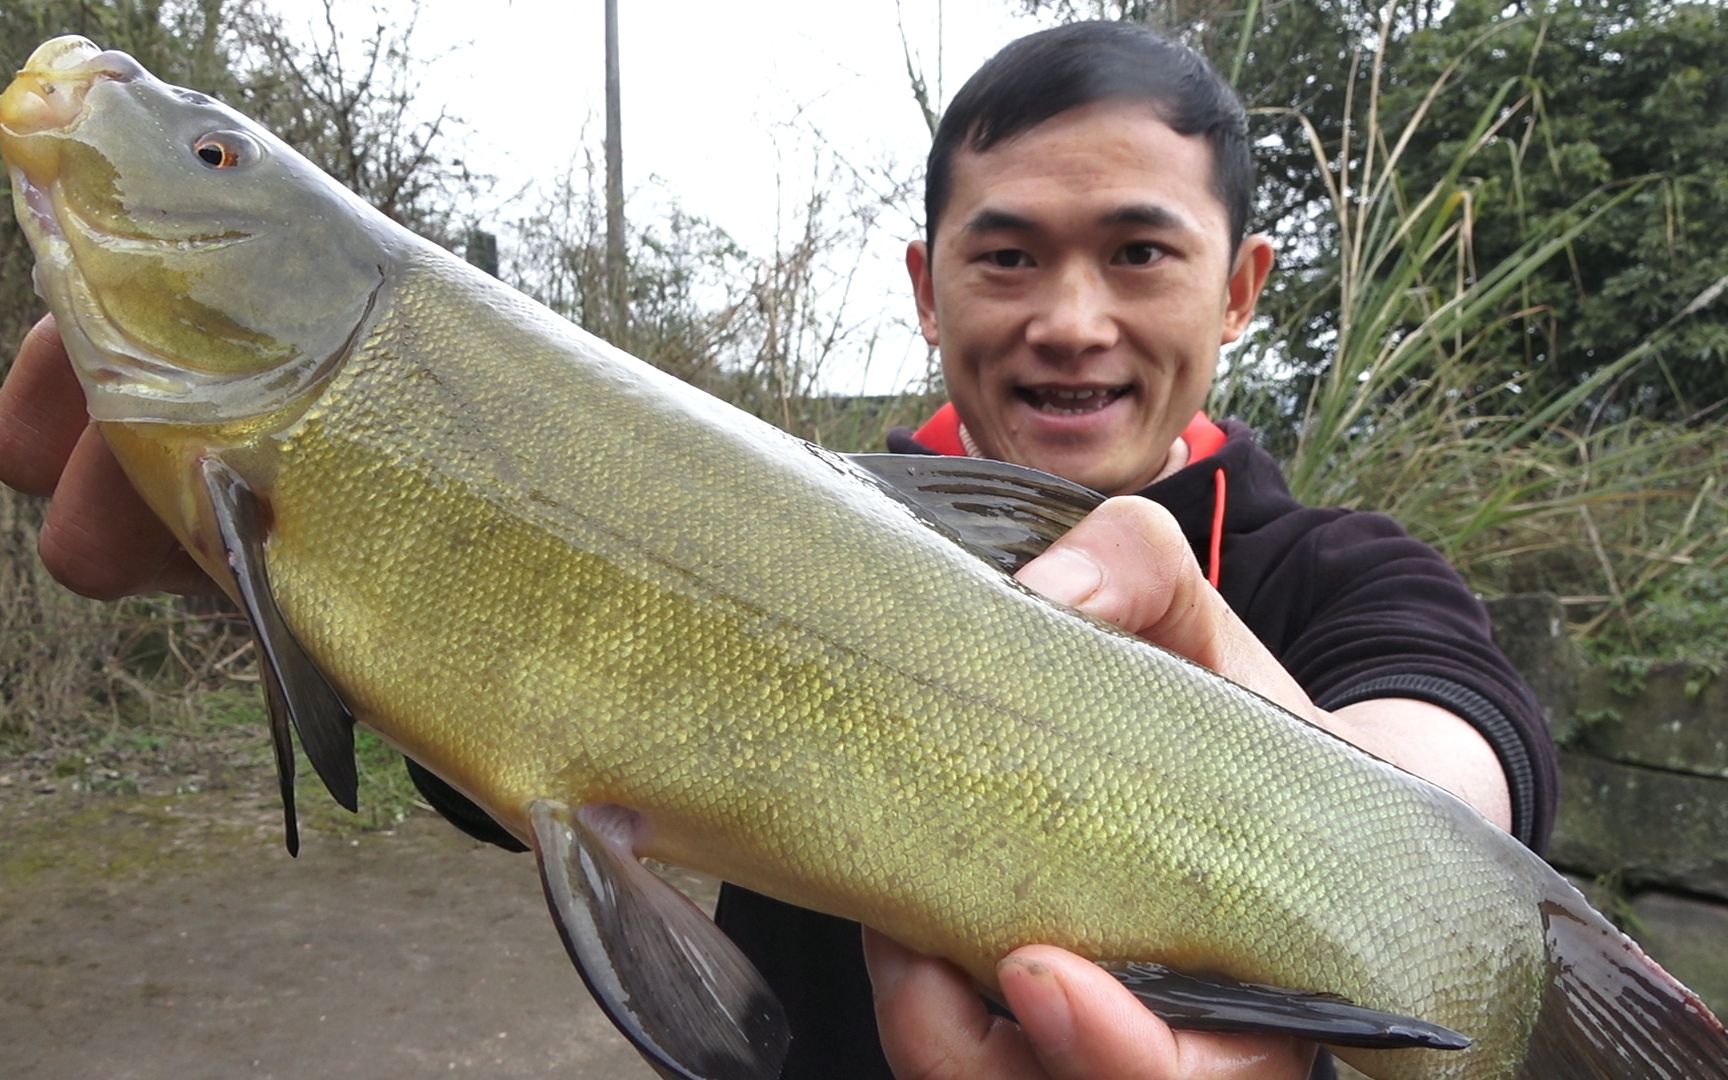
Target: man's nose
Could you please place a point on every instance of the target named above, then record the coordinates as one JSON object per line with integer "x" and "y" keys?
{"x": 1074, "y": 313}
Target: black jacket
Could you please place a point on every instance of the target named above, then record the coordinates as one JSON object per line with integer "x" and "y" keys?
{"x": 1351, "y": 604}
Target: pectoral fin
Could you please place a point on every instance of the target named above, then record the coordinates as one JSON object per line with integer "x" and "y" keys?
{"x": 1217, "y": 1004}
{"x": 663, "y": 972}
{"x": 1006, "y": 514}
{"x": 295, "y": 689}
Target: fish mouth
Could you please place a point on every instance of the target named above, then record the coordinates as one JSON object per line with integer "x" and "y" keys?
{"x": 1072, "y": 400}
{"x": 48, "y": 96}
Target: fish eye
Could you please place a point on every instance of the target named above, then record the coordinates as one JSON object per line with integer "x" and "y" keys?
{"x": 226, "y": 149}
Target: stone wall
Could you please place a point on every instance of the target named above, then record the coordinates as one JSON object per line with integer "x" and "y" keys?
{"x": 1643, "y": 825}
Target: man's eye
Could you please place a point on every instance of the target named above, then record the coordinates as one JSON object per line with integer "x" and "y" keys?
{"x": 1139, "y": 254}
{"x": 1009, "y": 258}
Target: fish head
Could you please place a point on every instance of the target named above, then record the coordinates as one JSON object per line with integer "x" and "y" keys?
{"x": 202, "y": 272}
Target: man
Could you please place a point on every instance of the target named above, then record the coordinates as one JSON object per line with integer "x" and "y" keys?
{"x": 1086, "y": 257}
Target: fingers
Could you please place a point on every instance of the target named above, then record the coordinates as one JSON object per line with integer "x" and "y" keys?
{"x": 1081, "y": 1023}
{"x": 1128, "y": 564}
{"x": 98, "y": 537}
{"x": 41, "y": 412}
{"x": 1076, "y": 1022}
{"x": 933, "y": 1024}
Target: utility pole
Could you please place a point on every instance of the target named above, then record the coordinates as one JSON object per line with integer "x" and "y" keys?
{"x": 617, "y": 269}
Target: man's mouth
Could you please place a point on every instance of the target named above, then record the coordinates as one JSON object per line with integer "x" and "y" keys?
{"x": 1070, "y": 401}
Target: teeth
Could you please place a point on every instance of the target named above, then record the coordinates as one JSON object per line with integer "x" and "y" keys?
{"x": 1063, "y": 401}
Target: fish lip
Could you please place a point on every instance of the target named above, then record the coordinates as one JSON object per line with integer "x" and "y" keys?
{"x": 52, "y": 55}
{"x": 73, "y": 57}
{"x": 45, "y": 213}
{"x": 114, "y": 238}
{"x": 51, "y": 95}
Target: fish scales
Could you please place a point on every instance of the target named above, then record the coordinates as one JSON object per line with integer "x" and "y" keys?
{"x": 790, "y": 647}
{"x": 560, "y": 579}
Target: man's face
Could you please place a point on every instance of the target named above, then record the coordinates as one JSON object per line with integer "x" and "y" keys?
{"x": 1079, "y": 288}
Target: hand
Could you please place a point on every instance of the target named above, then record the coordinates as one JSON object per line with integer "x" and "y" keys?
{"x": 1128, "y": 564}
{"x": 98, "y": 537}
{"x": 1076, "y": 1023}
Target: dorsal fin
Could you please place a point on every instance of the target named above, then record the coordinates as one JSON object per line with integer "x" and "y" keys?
{"x": 1006, "y": 514}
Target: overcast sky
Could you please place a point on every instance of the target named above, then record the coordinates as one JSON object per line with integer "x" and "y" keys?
{"x": 716, "y": 99}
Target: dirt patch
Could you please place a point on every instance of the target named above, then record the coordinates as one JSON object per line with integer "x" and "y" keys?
{"x": 160, "y": 933}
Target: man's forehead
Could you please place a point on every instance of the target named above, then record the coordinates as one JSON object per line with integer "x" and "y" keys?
{"x": 1094, "y": 121}
{"x": 1112, "y": 162}
{"x": 1125, "y": 133}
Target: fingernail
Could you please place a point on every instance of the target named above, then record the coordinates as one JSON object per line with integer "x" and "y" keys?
{"x": 1040, "y": 1004}
{"x": 1063, "y": 575}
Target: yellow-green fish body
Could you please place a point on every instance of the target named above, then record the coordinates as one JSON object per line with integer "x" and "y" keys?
{"x": 553, "y": 575}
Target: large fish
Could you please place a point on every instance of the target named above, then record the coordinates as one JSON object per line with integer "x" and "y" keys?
{"x": 626, "y": 619}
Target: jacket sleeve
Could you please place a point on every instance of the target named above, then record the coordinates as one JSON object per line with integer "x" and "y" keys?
{"x": 1384, "y": 615}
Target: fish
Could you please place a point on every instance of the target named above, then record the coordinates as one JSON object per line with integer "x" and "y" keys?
{"x": 627, "y": 620}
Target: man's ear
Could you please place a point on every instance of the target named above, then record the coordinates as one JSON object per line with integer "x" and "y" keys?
{"x": 923, "y": 290}
{"x": 1247, "y": 278}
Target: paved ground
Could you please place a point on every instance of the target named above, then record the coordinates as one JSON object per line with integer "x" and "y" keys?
{"x": 149, "y": 937}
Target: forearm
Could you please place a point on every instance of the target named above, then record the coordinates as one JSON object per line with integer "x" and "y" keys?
{"x": 1432, "y": 743}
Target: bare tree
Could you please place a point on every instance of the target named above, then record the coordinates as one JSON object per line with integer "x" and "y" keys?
{"x": 351, "y": 109}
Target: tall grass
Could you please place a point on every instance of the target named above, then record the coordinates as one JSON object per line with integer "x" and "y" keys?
{"x": 1412, "y": 417}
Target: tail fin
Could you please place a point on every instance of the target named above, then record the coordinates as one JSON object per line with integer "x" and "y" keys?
{"x": 1612, "y": 1013}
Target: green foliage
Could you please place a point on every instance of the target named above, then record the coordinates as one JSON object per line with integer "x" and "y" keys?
{"x": 1616, "y": 90}
{"x": 1413, "y": 407}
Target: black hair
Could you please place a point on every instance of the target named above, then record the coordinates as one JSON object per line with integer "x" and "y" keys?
{"x": 1052, "y": 71}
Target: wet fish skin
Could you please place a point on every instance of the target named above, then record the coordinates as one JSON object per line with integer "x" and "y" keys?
{"x": 548, "y": 572}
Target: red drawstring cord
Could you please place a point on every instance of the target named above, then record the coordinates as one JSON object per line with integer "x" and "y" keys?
{"x": 1215, "y": 548}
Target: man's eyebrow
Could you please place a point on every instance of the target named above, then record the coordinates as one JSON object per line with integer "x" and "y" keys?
{"x": 1146, "y": 215}
{"x": 987, "y": 220}
{"x": 1150, "y": 215}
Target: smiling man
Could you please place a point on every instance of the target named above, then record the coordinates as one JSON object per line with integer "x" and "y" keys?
{"x": 1086, "y": 257}
{"x": 1079, "y": 289}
